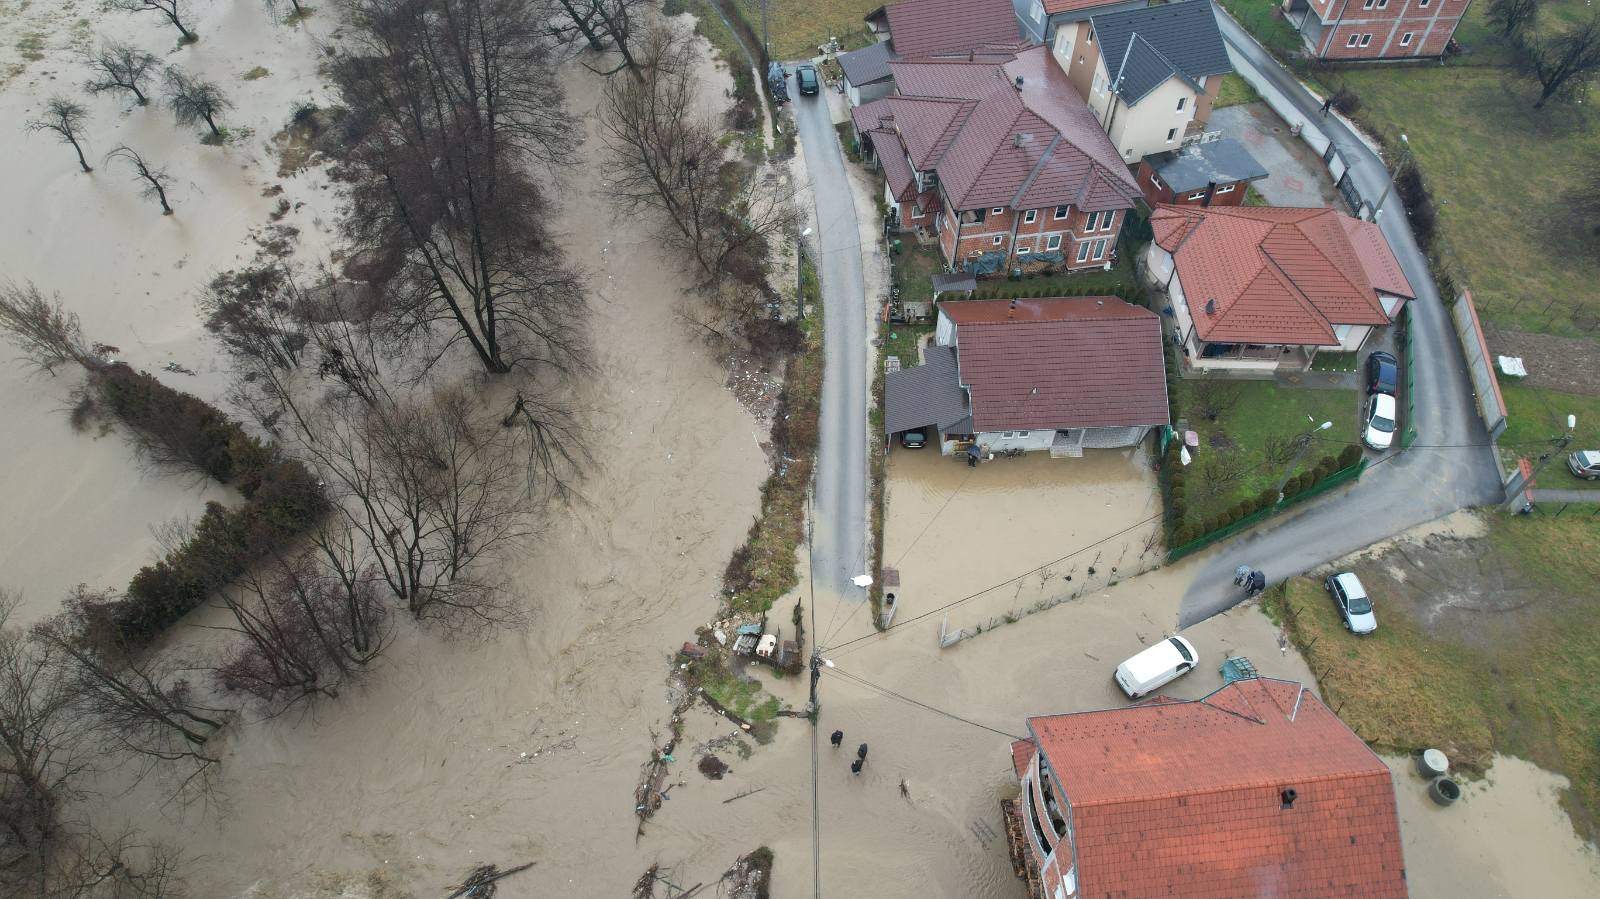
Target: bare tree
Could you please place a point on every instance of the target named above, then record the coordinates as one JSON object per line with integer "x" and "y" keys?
{"x": 155, "y": 179}
{"x": 297, "y": 12}
{"x": 171, "y": 9}
{"x": 450, "y": 101}
{"x": 92, "y": 864}
{"x": 1512, "y": 16}
{"x": 65, "y": 118}
{"x": 1565, "y": 64}
{"x": 121, "y": 67}
{"x": 602, "y": 23}
{"x": 1214, "y": 397}
{"x": 251, "y": 312}
{"x": 194, "y": 100}
{"x": 45, "y": 331}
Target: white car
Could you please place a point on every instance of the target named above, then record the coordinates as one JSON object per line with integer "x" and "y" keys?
{"x": 1355, "y": 607}
{"x": 1379, "y": 433}
{"x": 1153, "y": 667}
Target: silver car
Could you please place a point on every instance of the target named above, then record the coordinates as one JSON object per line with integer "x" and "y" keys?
{"x": 1355, "y": 607}
{"x": 1585, "y": 464}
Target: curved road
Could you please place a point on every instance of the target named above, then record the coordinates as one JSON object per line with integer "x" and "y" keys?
{"x": 1450, "y": 466}
{"x": 839, "y": 513}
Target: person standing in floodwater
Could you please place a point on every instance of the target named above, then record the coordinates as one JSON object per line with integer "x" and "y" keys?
{"x": 861, "y": 752}
{"x": 855, "y": 767}
{"x": 837, "y": 738}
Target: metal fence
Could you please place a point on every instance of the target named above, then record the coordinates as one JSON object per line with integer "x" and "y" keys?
{"x": 1343, "y": 476}
{"x": 1408, "y": 349}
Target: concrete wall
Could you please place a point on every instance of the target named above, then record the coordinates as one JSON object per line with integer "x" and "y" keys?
{"x": 1480, "y": 365}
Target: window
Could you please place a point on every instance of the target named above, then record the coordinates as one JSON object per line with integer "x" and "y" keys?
{"x": 1006, "y": 434}
{"x": 1366, "y": 39}
{"x": 1023, "y": 250}
{"x": 1368, "y": 4}
{"x": 1383, "y": 4}
{"x": 1108, "y": 219}
{"x": 1226, "y": 190}
{"x": 1405, "y": 39}
{"x": 1030, "y": 216}
{"x": 998, "y": 211}
{"x": 1198, "y": 195}
{"x": 1093, "y": 217}
{"x": 1171, "y": 133}
{"x": 1354, "y": 39}
{"x": 998, "y": 238}
{"x": 1053, "y": 242}
{"x": 1022, "y": 434}
{"x": 1100, "y": 249}
{"x": 1424, "y": 3}
{"x": 1061, "y": 212}
{"x": 1181, "y": 102}
{"x": 1083, "y": 251}
{"x": 1155, "y": 181}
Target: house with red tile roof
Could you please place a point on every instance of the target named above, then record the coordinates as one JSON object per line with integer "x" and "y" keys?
{"x": 920, "y": 28}
{"x": 1256, "y": 290}
{"x": 1062, "y": 374}
{"x": 997, "y": 155}
{"x": 1257, "y": 790}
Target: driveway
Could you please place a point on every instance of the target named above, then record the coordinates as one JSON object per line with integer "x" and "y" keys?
{"x": 1297, "y": 177}
{"x": 1450, "y": 466}
{"x": 839, "y": 515}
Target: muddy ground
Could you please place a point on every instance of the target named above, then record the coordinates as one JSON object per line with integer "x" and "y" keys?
{"x": 1568, "y": 365}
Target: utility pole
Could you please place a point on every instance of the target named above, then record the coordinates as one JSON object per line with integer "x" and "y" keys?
{"x": 766, "y": 45}
{"x": 1405, "y": 157}
{"x": 1301, "y": 443}
{"x": 1561, "y": 443}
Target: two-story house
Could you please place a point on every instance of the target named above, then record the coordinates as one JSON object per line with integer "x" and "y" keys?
{"x": 1150, "y": 74}
{"x": 915, "y": 28}
{"x": 1375, "y": 29}
{"x": 1002, "y": 159}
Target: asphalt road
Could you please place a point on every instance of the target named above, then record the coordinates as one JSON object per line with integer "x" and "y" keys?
{"x": 839, "y": 523}
{"x": 1450, "y": 465}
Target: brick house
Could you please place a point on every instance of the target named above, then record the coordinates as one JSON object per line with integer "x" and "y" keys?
{"x": 1257, "y": 790}
{"x": 915, "y": 28}
{"x": 1063, "y": 375}
{"x": 1375, "y": 29}
{"x": 1255, "y": 290}
{"x": 998, "y": 156}
{"x": 1150, "y": 74}
{"x": 1209, "y": 173}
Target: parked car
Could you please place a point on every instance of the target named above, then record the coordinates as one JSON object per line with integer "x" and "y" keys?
{"x": 806, "y": 77}
{"x": 1153, "y": 667}
{"x": 1355, "y": 607}
{"x": 1379, "y": 433}
{"x": 1585, "y": 464}
{"x": 1383, "y": 373}
{"x": 913, "y": 440}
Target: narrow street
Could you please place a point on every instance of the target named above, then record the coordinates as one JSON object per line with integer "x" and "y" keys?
{"x": 1451, "y": 464}
{"x": 839, "y": 542}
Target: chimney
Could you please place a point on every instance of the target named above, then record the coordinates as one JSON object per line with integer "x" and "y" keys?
{"x": 1011, "y": 310}
{"x": 1288, "y": 796}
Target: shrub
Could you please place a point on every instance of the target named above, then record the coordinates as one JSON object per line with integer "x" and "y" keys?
{"x": 1349, "y": 456}
{"x": 1185, "y": 534}
{"x": 1266, "y": 498}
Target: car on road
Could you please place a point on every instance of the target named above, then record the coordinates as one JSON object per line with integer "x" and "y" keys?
{"x": 1383, "y": 373}
{"x": 1155, "y": 666}
{"x": 806, "y": 77}
{"x": 1379, "y": 431}
{"x": 1585, "y": 464}
{"x": 1355, "y": 607}
{"x": 913, "y": 440}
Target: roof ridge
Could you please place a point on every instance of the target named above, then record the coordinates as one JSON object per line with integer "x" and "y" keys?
{"x": 1299, "y": 295}
{"x": 1343, "y": 235}
{"x": 1234, "y": 786}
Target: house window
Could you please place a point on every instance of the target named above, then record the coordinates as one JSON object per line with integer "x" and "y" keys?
{"x": 998, "y": 238}
{"x": 1023, "y": 250}
{"x": 1107, "y": 219}
{"x": 1053, "y": 242}
{"x": 1368, "y": 4}
{"x": 1354, "y": 39}
{"x": 1405, "y": 39}
{"x": 1022, "y": 434}
{"x": 1083, "y": 251}
{"x": 1423, "y": 3}
{"x": 1198, "y": 195}
{"x": 998, "y": 210}
{"x": 1154, "y": 180}
{"x": 1226, "y": 190}
{"x": 1100, "y": 249}
{"x": 1171, "y": 133}
{"x": 1030, "y": 216}
{"x": 1383, "y": 4}
{"x": 1181, "y": 102}
{"x": 1366, "y": 39}
{"x": 1006, "y": 434}
{"x": 1061, "y": 212}
{"x": 1093, "y": 217}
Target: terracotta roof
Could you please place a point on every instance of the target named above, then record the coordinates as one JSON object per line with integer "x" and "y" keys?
{"x": 1021, "y": 756}
{"x": 1185, "y": 798}
{"x": 1372, "y": 249}
{"x": 896, "y": 171}
{"x": 995, "y": 143}
{"x": 1080, "y": 362}
{"x": 1051, "y": 7}
{"x": 932, "y": 26}
{"x": 1272, "y": 275}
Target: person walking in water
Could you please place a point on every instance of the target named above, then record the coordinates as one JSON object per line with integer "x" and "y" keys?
{"x": 837, "y": 738}
{"x": 861, "y": 753}
{"x": 855, "y": 767}
{"x": 1241, "y": 576}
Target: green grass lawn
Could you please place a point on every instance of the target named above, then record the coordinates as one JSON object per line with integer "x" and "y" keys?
{"x": 902, "y": 341}
{"x": 1335, "y": 362}
{"x": 914, "y": 267}
{"x": 1260, "y": 18}
{"x": 1234, "y": 91}
{"x": 1232, "y": 463}
{"x": 1536, "y": 416}
{"x": 796, "y": 28}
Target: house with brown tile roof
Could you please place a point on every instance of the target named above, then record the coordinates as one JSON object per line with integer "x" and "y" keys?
{"x": 1255, "y": 290}
{"x": 1061, "y": 374}
{"x": 1009, "y": 168}
{"x": 918, "y": 28}
{"x": 1257, "y": 790}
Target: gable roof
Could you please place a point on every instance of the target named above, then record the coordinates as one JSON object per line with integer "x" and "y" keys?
{"x": 1010, "y": 134}
{"x": 1223, "y": 161}
{"x": 867, "y": 65}
{"x": 1082, "y": 362}
{"x": 919, "y": 27}
{"x": 1143, "y": 47}
{"x": 920, "y": 396}
{"x": 1275, "y": 275}
{"x": 1183, "y": 798}
{"x": 896, "y": 171}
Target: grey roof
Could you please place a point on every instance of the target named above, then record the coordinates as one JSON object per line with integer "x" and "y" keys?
{"x": 1144, "y": 47}
{"x": 920, "y": 396}
{"x": 954, "y": 281}
{"x": 1194, "y": 167}
{"x": 869, "y": 64}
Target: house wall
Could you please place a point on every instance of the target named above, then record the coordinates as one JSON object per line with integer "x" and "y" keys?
{"x": 1204, "y": 102}
{"x": 1153, "y": 125}
{"x": 1077, "y": 54}
{"x": 981, "y": 237}
{"x": 1053, "y": 857}
{"x": 867, "y": 93}
{"x": 1351, "y": 337}
{"x": 1034, "y": 439}
{"x": 1383, "y": 29}
{"x": 1157, "y": 191}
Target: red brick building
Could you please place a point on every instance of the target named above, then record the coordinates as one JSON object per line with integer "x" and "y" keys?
{"x": 998, "y": 155}
{"x": 1375, "y": 29}
{"x": 1257, "y": 790}
{"x": 1214, "y": 173}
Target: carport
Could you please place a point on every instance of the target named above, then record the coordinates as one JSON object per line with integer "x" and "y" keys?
{"x": 928, "y": 397}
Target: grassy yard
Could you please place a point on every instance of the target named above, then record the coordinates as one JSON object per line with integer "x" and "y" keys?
{"x": 1536, "y": 416}
{"x": 796, "y": 28}
{"x": 1260, "y": 18}
{"x": 1518, "y": 681}
{"x": 1234, "y": 91}
{"x": 1335, "y": 362}
{"x": 1120, "y": 279}
{"x": 1241, "y": 452}
{"x": 914, "y": 267}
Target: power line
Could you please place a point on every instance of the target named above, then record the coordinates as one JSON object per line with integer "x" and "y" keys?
{"x": 920, "y": 705}
{"x": 816, "y": 819}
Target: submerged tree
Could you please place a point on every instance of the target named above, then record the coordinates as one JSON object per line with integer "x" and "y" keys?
{"x": 122, "y": 67}
{"x": 46, "y": 332}
{"x": 65, "y": 118}
{"x": 604, "y": 22}
{"x": 155, "y": 179}
{"x": 194, "y": 100}
{"x": 170, "y": 9}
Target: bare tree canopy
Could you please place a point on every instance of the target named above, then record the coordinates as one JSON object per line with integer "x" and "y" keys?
{"x": 45, "y": 331}
{"x": 450, "y": 100}
{"x": 194, "y": 100}
{"x": 604, "y": 23}
{"x": 251, "y": 313}
{"x": 121, "y": 67}
{"x": 1586, "y": 191}
{"x": 1512, "y": 16}
{"x": 170, "y": 9}
{"x": 1566, "y": 63}
{"x": 65, "y": 119}
{"x": 154, "y": 179}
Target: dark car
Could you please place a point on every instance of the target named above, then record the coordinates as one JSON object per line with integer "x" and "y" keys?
{"x": 913, "y": 439}
{"x": 1383, "y": 373}
{"x": 806, "y": 78}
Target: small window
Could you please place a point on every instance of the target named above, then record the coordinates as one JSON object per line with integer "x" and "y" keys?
{"x": 1383, "y": 4}
{"x": 1198, "y": 195}
{"x": 998, "y": 211}
{"x": 1424, "y": 3}
{"x": 1226, "y": 190}
{"x": 1006, "y": 434}
{"x": 1354, "y": 39}
{"x": 1182, "y": 101}
{"x": 1023, "y": 250}
{"x": 998, "y": 238}
{"x": 1405, "y": 39}
{"x": 1155, "y": 181}
{"x": 1083, "y": 251}
{"x": 1100, "y": 249}
{"x": 1093, "y": 217}
{"x": 1030, "y": 216}
{"x": 1107, "y": 219}
{"x": 1053, "y": 242}
{"x": 1366, "y": 39}
{"x": 1171, "y": 134}
{"x": 1061, "y": 212}
{"x": 1022, "y": 434}
{"x": 1368, "y": 4}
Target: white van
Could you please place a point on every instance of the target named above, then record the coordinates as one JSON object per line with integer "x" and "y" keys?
{"x": 1153, "y": 667}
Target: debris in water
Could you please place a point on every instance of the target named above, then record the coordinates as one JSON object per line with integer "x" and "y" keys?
{"x": 480, "y": 882}
{"x": 712, "y": 767}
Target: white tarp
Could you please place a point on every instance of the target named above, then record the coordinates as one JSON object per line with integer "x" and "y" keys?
{"x": 1512, "y": 365}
